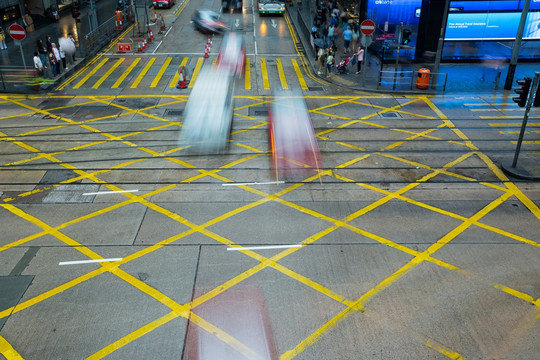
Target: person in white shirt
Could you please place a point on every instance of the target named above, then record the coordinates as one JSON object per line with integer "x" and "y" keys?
{"x": 57, "y": 57}
{"x": 38, "y": 65}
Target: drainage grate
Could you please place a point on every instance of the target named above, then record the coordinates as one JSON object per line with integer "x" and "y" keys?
{"x": 171, "y": 112}
{"x": 389, "y": 114}
{"x": 316, "y": 88}
{"x": 258, "y": 111}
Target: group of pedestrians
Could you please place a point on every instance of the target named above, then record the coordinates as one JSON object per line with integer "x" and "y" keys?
{"x": 329, "y": 26}
{"x": 51, "y": 58}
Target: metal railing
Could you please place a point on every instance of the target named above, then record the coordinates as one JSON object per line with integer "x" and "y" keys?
{"x": 406, "y": 80}
{"x": 103, "y": 34}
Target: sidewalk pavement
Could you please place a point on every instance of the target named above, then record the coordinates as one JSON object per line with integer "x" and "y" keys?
{"x": 470, "y": 78}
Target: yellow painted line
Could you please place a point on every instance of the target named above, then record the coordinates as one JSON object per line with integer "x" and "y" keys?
{"x": 108, "y": 73}
{"x": 281, "y": 74}
{"x": 247, "y": 75}
{"x": 196, "y": 71}
{"x": 181, "y": 8}
{"x": 516, "y": 124}
{"x": 132, "y": 336}
{"x": 139, "y": 78}
{"x": 519, "y": 295}
{"x": 94, "y": 70}
{"x": 446, "y": 352}
{"x": 264, "y": 73}
{"x": 299, "y": 75}
{"x": 161, "y": 71}
{"x": 8, "y": 351}
{"x": 176, "y": 76}
{"x": 126, "y": 73}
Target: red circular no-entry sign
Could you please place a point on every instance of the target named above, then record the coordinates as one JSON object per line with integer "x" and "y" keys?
{"x": 367, "y": 27}
{"x": 17, "y": 32}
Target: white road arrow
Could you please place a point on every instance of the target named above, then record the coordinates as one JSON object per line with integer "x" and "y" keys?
{"x": 274, "y": 24}
{"x": 237, "y": 23}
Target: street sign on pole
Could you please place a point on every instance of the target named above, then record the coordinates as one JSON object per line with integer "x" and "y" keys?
{"x": 17, "y": 32}
{"x": 367, "y": 27}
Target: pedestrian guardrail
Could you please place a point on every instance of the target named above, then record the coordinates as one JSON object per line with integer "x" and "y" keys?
{"x": 406, "y": 80}
{"x": 102, "y": 35}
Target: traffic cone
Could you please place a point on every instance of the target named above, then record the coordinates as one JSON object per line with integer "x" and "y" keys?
{"x": 206, "y": 51}
{"x": 155, "y": 16}
{"x": 150, "y": 36}
{"x": 145, "y": 45}
{"x": 162, "y": 24}
{"x": 181, "y": 80}
{"x": 139, "y": 49}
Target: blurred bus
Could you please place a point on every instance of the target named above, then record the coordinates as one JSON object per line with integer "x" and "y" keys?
{"x": 208, "y": 114}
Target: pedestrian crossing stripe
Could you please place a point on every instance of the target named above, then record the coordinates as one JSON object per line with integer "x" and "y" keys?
{"x": 126, "y": 73}
{"x": 148, "y": 72}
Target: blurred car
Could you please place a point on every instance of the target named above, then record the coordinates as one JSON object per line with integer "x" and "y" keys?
{"x": 231, "y": 4}
{"x": 163, "y": 4}
{"x": 232, "y": 54}
{"x": 207, "y": 21}
{"x": 294, "y": 148}
{"x": 208, "y": 114}
{"x": 271, "y": 7}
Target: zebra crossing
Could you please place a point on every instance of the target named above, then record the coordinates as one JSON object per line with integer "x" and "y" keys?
{"x": 151, "y": 72}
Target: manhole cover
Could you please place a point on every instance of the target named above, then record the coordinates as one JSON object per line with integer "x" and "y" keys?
{"x": 315, "y": 88}
{"x": 258, "y": 111}
{"x": 389, "y": 114}
{"x": 170, "y": 112}
{"x": 261, "y": 112}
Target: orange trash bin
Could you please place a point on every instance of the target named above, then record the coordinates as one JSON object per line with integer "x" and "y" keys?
{"x": 422, "y": 81}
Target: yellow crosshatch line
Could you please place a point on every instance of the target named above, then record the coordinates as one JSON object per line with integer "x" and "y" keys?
{"x": 90, "y": 73}
{"x": 508, "y": 190}
{"x": 126, "y": 73}
{"x": 139, "y": 77}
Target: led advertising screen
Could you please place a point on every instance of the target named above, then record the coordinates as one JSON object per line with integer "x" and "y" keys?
{"x": 394, "y": 11}
{"x": 491, "y": 20}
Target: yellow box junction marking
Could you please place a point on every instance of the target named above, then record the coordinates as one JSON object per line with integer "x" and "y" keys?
{"x": 508, "y": 190}
{"x": 196, "y": 71}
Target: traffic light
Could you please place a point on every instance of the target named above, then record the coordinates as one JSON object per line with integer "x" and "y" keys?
{"x": 75, "y": 10}
{"x": 406, "y": 37}
{"x": 523, "y": 91}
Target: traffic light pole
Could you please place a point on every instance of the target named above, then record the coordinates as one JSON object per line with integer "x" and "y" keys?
{"x": 517, "y": 45}
{"x": 525, "y": 118}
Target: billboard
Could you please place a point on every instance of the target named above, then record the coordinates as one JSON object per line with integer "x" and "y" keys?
{"x": 491, "y": 20}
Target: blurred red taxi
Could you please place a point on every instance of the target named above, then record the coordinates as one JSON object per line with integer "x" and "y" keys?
{"x": 232, "y": 54}
{"x": 295, "y": 151}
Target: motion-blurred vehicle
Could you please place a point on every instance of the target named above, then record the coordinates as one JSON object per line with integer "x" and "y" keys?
{"x": 236, "y": 5}
{"x": 208, "y": 113}
{"x": 232, "y": 54}
{"x": 159, "y": 4}
{"x": 294, "y": 147}
{"x": 271, "y": 7}
{"x": 207, "y": 21}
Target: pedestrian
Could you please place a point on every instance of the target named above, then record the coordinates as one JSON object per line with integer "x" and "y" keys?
{"x": 347, "y": 36}
{"x": 331, "y": 34}
{"x": 52, "y": 62}
{"x": 322, "y": 60}
{"x": 70, "y": 37}
{"x": 48, "y": 43}
{"x": 3, "y": 45}
{"x": 42, "y": 50}
{"x": 359, "y": 58}
{"x": 38, "y": 65}
{"x": 329, "y": 63}
{"x": 355, "y": 35}
{"x": 62, "y": 57}
{"x": 57, "y": 57}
